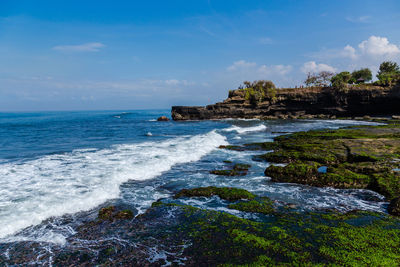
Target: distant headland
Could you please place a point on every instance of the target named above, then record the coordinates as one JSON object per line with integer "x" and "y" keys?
{"x": 325, "y": 95}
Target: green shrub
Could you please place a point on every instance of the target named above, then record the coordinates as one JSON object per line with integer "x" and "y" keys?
{"x": 318, "y": 79}
{"x": 341, "y": 80}
{"x": 362, "y": 75}
{"x": 258, "y": 91}
{"x": 389, "y": 73}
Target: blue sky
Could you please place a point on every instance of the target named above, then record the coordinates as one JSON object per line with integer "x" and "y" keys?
{"x": 83, "y": 55}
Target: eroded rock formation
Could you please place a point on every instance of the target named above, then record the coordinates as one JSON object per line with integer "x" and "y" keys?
{"x": 300, "y": 102}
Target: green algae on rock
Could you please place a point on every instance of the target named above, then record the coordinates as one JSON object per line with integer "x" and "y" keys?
{"x": 355, "y": 157}
{"x": 238, "y": 169}
{"x": 111, "y": 213}
{"x": 227, "y": 193}
{"x": 264, "y": 205}
{"x": 250, "y": 146}
{"x": 356, "y": 238}
{"x": 192, "y": 236}
{"x": 394, "y": 206}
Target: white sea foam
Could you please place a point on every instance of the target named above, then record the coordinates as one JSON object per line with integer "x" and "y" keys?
{"x": 239, "y": 119}
{"x": 241, "y": 130}
{"x": 327, "y": 123}
{"x": 54, "y": 185}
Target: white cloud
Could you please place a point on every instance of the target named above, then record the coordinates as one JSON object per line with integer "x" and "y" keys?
{"x": 362, "y": 19}
{"x": 87, "y": 47}
{"x": 274, "y": 69}
{"x": 378, "y": 46}
{"x": 175, "y": 82}
{"x": 243, "y": 70}
{"x": 240, "y": 65}
{"x": 252, "y": 67}
{"x": 369, "y": 51}
{"x": 172, "y": 82}
{"x": 349, "y": 52}
{"x": 312, "y": 66}
{"x": 266, "y": 40}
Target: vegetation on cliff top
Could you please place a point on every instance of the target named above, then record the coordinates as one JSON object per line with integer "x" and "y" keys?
{"x": 257, "y": 91}
{"x": 388, "y": 75}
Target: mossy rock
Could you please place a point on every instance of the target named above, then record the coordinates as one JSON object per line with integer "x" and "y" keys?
{"x": 124, "y": 214}
{"x": 227, "y": 193}
{"x": 106, "y": 213}
{"x": 238, "y": 169}
{"x": 394, "y": 207}
{"x": 241, "y": 167}
{"x": 263, "y": 205}
{"x": 250, "y": 146}
{"x": 291, "y": 239}
{"x": 111, "y": 213}
{"x": 302, "y": 173}
{"x": 357, "y": 157}
{"x": 232, "y": 147}
{"x": 260, "y": 146}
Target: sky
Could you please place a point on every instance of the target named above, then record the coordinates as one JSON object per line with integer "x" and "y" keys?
{"x": 118, "y": 55}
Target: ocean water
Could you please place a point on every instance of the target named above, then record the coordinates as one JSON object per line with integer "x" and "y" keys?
{"x": 58, "y": 168}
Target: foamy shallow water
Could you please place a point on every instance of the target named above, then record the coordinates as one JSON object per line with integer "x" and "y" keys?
{"x": 107, "y": 158}
{"x": 55, "y": 185}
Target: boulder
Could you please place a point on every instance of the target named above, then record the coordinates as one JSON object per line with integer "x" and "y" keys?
{"x": 163, "y": 118}
{"x": 394, "y": 207}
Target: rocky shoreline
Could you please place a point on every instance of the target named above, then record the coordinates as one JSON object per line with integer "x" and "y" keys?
{"x": 261, "y": 232}
{"x": 300, "y": 103}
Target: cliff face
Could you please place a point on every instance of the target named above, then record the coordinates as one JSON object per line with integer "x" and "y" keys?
{"x": 357, "y": 101}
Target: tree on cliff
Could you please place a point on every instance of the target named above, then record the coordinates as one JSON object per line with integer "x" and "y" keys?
{"x": 341, "y": 80}
{"x": 320, "y": 79}
{"x": 361, "y": 76}
{"x": 388, "y": 67}
{"x": 258, "y": 91}
{"x": 389, "y": 73}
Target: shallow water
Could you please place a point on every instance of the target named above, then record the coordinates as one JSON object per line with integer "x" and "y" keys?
{"x": 59, "y": 168}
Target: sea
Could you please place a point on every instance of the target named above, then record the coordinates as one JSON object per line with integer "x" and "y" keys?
{"x": 58, "y": 168}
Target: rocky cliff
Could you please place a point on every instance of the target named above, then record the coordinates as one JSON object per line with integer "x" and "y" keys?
{"x": 300, "y": 102}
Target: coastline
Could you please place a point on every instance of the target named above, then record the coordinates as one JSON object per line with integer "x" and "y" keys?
{"x": 300, "y": 103}
{"x": 262, "y": 231}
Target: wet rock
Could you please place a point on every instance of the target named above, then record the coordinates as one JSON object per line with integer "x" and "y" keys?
{"x": 262, "y": 205}
{"x": 232, "y": 147}
{"x": 227, "y": 193}
{"x": 238, "y": 169}
{"x": 362, "y": 157}
{"x": 175, "y": 234}
{"x": 394, "y": 207}
{"x": 111, "y": 213}
{"x": 162, "y": 118}
{"x": 291, "y": 206}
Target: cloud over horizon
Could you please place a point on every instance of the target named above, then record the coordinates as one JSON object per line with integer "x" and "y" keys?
{"x": 86, "y": 47}
{"x": 314, "y": 67}
{"x": 378, "y": 46}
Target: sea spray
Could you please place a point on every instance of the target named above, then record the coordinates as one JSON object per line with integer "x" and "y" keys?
{"x": 59, "y": 184}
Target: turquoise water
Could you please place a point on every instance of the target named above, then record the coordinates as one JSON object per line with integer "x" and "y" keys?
{"x": 58, "y": 168}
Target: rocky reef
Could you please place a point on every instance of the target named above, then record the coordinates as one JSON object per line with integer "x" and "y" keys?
{"x": 262, "y": 236}
{"x": 249, "y": 229}
{"x": 359, "y": 157}
{"x": 324, "y": 102}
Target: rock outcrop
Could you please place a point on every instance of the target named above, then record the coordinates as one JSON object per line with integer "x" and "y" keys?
{"x": 394, "y": 207}
{"x": 162, "y": 118}
{"x": 300, "y": 102}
